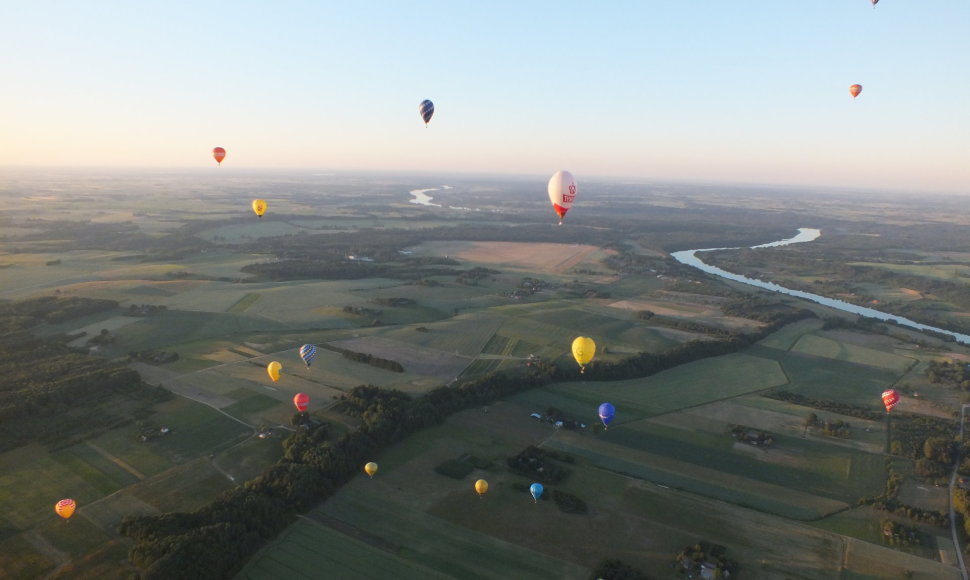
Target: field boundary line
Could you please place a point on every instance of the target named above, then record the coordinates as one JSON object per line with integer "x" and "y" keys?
{"x": 117, "y": 461}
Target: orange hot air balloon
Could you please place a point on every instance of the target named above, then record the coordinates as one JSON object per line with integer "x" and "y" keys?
{"x": 481, "y": 487}
{"x": 65, "y": 508}
{"x": 890, "y": 399}
{"x": 301, "y": 401}
{"x": 854, "y": 90}
{"x": 219, "y": 154}
{"x": 370, "y": 469}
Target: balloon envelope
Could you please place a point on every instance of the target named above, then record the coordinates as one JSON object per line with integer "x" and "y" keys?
{"x": 426, "y": 108}
{"x": 307, "y": 352}
{"x": 607, "y": 411}
{"x": 562, "y": 192}
{"x": 259, "y": 207}
{"x": 219, "y": 154}
{"x": 65, "y": 508}
{"x": 370, "y": 469}
{"x": 481, "y": 486}
{"x": 301, "y": 401}
{"x": 854, "y": 90}
{"x": 890, "y": 399}
{"x": 273, "y": 370}
{"x": 583, "y": 350}
{"x": 536, "y": 490}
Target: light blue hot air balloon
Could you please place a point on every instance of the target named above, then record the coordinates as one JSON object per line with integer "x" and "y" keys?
{"x": 307, "y": 352}
{"x": 426, "y": 108}
{"x": 536, "y": 490}
{"x": 606, "y": 414}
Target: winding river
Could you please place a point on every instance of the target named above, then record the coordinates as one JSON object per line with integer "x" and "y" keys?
{"x": 689, "y": 258}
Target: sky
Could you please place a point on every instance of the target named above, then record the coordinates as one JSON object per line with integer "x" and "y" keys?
{"x": 750, "y": 91}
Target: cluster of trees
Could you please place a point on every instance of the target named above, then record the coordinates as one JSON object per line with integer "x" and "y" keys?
{"x": 921, "y": 436}
{"x": 395, "y": 302}
{"x": 695, "y": 558}
{"x": 618, "y": 570}
{"x": 26, "y": 314}
{"x": 888, "y": 501}
{"x": 949, "y": 373}
{"x": 838, "y": 428}
{"x": 56, "y": 395}
{"x": 471, "y": 277}
{"x": 752, "y": 436}
{"x": 374, "y": 361}
{"x": 362, "y": 311}
{"x": 534, "y": 464}
{"x": 827, "y": 405}
{"x": 145, "y": 309}
{"x": 897, "y": 534}
{"x": 569, "y": 503}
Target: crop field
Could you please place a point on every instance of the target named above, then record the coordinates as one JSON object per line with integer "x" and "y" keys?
{"x": 821, "y": 346}
{"x": 529, "y": 257}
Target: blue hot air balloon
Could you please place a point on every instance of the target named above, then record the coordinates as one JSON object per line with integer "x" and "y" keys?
{"x": 606, "y": 414}
{"x": 536, "y": 490}
{"x": 307, "y": 352}
{"x": 426, "y": 108}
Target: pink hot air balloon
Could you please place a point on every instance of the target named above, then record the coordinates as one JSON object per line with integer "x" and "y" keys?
{"x": 301, "y": 401}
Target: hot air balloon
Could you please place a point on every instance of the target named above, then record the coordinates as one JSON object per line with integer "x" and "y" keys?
{"x": 583, "y": 350}
{"x": 606, "y": 414}
{"x": 481, "y": 486}
{"x": 65, "y": 508}
{"x": 854, "y": 90}
{"x": 536, "y": 490}
{"x": 370, "y": 468}
{"x": 273, "y": 369}
{"x": 301, "y": 401}
{"x": 259, "y": 207}
{"x": 426, "y": 108}
{"x": 874, "y": 2}
{"x": 219, "y": 154}
{"x": 890, "y": 399}
{"x": 562, "y": 192}
{"x": 307, "y": 352}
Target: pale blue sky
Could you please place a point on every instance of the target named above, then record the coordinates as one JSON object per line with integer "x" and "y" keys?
{"x": 749, "y": 91}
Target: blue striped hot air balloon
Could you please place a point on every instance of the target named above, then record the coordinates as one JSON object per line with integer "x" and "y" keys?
{"x": 307, "y": 352}
{"x": 426, "y": 108}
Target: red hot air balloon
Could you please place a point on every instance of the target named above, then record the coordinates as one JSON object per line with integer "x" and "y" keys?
{"x": 301, "y": 401}
{"x": 219, "y": 154}
{"x": 890, "y": 398}
{"x": 562, "y": 192}
{"x": 854, "y": 90}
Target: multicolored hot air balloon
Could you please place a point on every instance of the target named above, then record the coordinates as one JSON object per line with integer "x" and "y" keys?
{"x": 562, "y": 191}
{"x": 259, "y": 207}
{"x": 854, "y": 90}
{"x": 426, "y": 108}
{"x": 370, "y": 469}
{"x": 481, "y": 487}
{"x": 65, "y": 508}
{"x": 607, "y": 411}
{"x": 273, "y": 370}
{"x": 536, "y": 490}
{"x": 890, "y": 399}
{"x": 307, "y": 353}
{"x": 583, "y": 350}
{"x": 219, "y": 154}
{"x": 301, "y": 401}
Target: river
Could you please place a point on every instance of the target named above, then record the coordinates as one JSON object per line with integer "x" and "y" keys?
{"x": 689, "y": 258}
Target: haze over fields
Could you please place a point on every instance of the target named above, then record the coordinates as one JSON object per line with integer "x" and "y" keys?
{"x": 141, "y": 310}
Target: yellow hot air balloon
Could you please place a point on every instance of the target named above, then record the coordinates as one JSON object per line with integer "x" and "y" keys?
{"x": 259, "y": 206}
{"x": 273, "y": 369}
{"x": 65, "y": 508}
{"x": 371, "y": 468}
{"x": 481, "y": 486}
{"x": 583, "y": 350}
